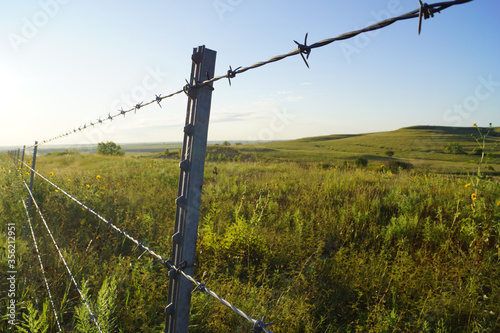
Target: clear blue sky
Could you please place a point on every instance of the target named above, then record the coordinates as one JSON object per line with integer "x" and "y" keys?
{"x": 64, "y": 63}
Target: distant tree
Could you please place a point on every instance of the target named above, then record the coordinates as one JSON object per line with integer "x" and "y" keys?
{"x": 226, "y": 143}
{"x": 109, "y": 148}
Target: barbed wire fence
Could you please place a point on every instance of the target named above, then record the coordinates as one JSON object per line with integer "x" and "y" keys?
{"x": 78, "y": 288}
{"x": 41, "y": 268}
{"x": 196, "y": 89}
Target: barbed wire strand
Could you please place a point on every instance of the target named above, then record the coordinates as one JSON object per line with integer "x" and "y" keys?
{"x": 92, "y": 316}
{"x": 425, "y": 11}
{"x": 110, "y": 224}
{"x": 305, "y": 49}
{"x": 41, "y": 267}
{"x": 199, "y": 286}
{"x": 158, "y": 99}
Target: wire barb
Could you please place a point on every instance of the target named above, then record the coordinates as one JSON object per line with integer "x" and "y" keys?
{"x": 138, "y": 106}
{"x": 424, "y": 11}
{"x": 188, "y": 89}
{"x": 158, "y": 99}
{"x": 304, "y": 49}
{"x": 200, "y": 287}
{"x": 207, "y": 83}
{"x": 260, "y": 326}
{"x": 231, "y": 74}
{"x": 140, "y": 245}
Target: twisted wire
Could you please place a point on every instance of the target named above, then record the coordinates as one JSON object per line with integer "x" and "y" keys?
{"x": 256, "y": 323}
{"x": 199, "y": 286}
{"x": 303, "y": 49}
{"x": 110, "y": 117}
{"x": 417, "y": 13}
{"x": 92, "y": 316}
{"x": 41, "y": 267}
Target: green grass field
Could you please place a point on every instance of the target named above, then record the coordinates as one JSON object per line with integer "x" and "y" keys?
{"x": 422, "y": 146}
{"x": 294, "y": 230}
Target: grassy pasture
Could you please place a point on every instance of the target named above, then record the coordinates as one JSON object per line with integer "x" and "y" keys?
{"x": 420, "y": 145}
{"x": 287, "y": 229}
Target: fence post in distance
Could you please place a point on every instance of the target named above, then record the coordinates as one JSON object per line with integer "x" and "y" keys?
{"x": 32, "y": 175}
{"x": 22, "y": 158}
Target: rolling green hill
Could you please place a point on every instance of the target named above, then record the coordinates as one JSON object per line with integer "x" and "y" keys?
{"x": 422, "y": 146}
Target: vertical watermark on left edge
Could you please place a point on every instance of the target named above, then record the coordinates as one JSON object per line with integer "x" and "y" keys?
{"x": 11, "y": 273}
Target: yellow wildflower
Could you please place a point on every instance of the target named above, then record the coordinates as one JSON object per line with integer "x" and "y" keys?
{"x": 57, "y": 190}
{"x": 98, "y": 177}
{"x": 474, "y": 125}
{"x": 498, "y": 203}
{"x": 51, "y": 174}
{"x": 472, "y": 207}
{"x": 467, "y": 185}
{"x": 88, "y": 186}
{"x": 473, "y": 196}
{"x": 69, "y": 180}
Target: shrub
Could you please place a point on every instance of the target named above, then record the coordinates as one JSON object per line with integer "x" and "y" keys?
{"x": 399, "y": 165}
{"x": 360, "y": 161}
{"x": 453, "y": 148}
{"x": 389, "y": 153}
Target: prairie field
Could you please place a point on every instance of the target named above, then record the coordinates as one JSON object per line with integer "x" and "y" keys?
{"x": 300, "y": 231}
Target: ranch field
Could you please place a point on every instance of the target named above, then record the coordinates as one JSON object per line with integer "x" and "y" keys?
{"x": 303, "y": 231}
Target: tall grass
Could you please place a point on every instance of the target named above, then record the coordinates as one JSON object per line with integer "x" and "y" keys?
{"x": 315, "y": 247}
